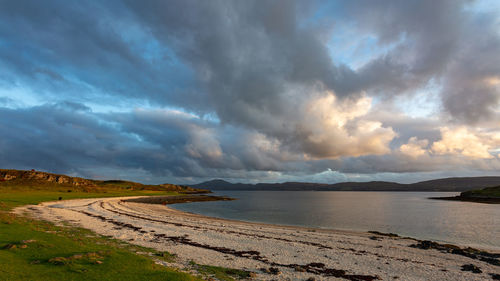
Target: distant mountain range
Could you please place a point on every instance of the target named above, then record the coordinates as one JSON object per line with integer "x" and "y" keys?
{"x": 446, "y": 184}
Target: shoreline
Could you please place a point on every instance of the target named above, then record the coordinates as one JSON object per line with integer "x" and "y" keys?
{"x": 147, "y": 200}
{"x": 151, "y": 200}
{"x": 176, "y": 199}
{"x": 475, "y": 247}
{"x": 484, "y": 200}
{"x": 479, "y": 247}
{"x": 298, "y": 252}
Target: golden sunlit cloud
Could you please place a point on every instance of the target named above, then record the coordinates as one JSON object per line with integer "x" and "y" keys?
{"x": 415, "y": 147}
{"x": 463, "y": 141}
{"x": 492, "y": 81}
{"x": 337, "y": 128}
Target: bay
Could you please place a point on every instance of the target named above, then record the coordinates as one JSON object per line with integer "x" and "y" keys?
{"x": 405, "y": 213}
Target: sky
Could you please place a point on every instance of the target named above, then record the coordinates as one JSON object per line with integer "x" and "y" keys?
{"x": 251, "y": 91}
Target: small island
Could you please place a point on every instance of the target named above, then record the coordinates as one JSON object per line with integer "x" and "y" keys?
{"x": 490, "y": 195}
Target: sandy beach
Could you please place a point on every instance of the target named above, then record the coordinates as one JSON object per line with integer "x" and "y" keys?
{"x": 297, "y": 253}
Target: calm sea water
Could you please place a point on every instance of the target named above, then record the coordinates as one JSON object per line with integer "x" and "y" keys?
{"x": 405, "y": 213}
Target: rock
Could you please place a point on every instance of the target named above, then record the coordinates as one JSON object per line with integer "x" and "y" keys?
{"x": 93, "y": 255}
{"x": 10, "y": 246}
{"x": 271, "y": 270}
{"x": 252, "y": 274}
{"x": 58, "y": 261}
{"x": 495, "y": 276}
{"x": 62, "y": 180}
{"x": 265, "y": 270}
{"x": 463, "y": 253}
{"x": 490, "y": 260}
{"x": 425, "y": 245}
{"x": 300, "y": 268}
{"x": 471, "y": 267}
{"x": 9, "y": 177}
{"x": 28, "y": 241}
{"x": 275, "y": 270}
{"x": 472, "y": 253}
{"x": 317, "y": 264}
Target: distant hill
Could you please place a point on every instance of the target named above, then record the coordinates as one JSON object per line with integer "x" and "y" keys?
{"x": 446, "y": 184}
{"x": 42, "y": 180}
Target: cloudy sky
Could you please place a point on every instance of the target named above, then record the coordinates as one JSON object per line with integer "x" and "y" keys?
{"x": 251, "y": 91}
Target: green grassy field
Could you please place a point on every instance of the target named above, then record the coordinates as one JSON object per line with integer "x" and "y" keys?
{"x": 38, "y": 250}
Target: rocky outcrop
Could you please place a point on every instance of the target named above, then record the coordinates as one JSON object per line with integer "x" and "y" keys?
{"x": 37, "y": 176}
{"x": 37, "y": 179}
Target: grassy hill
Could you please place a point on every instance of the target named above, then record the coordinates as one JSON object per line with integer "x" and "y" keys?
{"x": 37, "y": 180}
{"x": 488, "y": 192}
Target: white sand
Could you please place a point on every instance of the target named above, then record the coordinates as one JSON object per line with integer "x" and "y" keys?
{"x": 199, "y": 238}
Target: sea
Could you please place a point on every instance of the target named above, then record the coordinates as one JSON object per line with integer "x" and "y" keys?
{"x": 404, "y": 213}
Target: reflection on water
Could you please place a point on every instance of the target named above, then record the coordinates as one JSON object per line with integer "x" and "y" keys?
{"x": 405, "y": 213}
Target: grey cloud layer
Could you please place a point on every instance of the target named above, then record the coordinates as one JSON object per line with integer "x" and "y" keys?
{"x": 68, "y": 138}
{"x": 441, "y": 40}
{"x": 243, "y": 55}
{"x": 262, "y": 68}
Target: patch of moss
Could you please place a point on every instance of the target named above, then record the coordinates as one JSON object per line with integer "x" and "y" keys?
{"x": 221, "y": 273}
{"x": 166, "y": 256}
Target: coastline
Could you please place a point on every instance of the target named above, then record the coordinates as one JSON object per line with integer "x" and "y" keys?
{"x": 166, "y": 200}
{"x": 298, "y": 253}
{"x": 484, "y": 200}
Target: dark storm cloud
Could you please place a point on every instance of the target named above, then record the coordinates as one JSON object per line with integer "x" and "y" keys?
{"x": 49, "y": 138}
{"x": 69, "y": 138}
{"x": 201, "y": 143}
{"x": 239, "y": 58}
{"x": 442, "y": 40}
{"x": 245, "y": 53}
{"x": 472, "y": 88}
{"x": 81, "y": 49}
{"x": 257, "y": 75}
{"x": 261, "y": 65}
{"x": 425, "y": 35}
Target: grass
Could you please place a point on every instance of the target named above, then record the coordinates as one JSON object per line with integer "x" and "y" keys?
{"x": 166, "y": 256}
{"x": 492, "y": 192}
{"x": 39, "y": 250}
{"x": 221, "y": 273}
